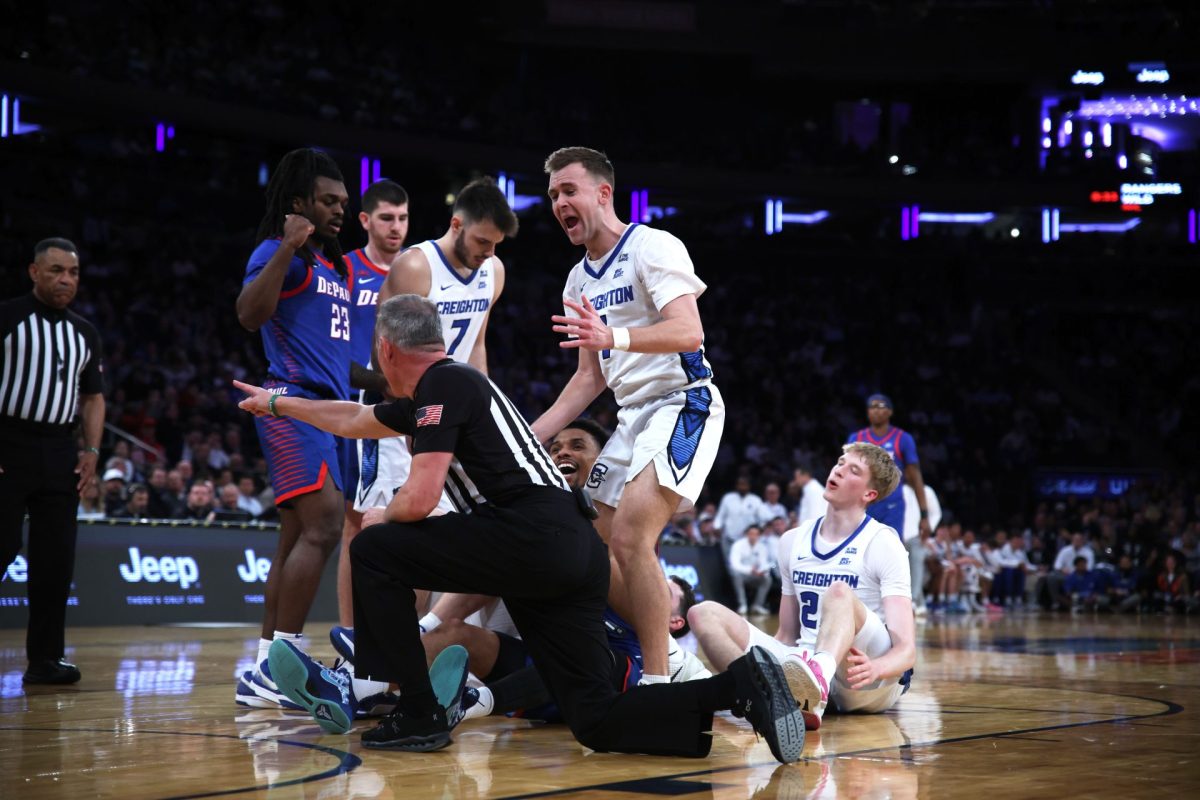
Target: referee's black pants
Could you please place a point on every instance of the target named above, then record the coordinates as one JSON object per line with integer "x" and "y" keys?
{"x": 39, "y": 477}
{"x": 544, "y": 558}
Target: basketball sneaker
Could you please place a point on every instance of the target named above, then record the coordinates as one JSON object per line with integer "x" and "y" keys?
{"x": 256, "y": 689}
{"x": 342, "y": 640}
{"x": 400, "y": 731}
{"x": 448, "y": 675}
{"x": 322, "y": 692}
{"x": 808, "y": 686}
{"x": 685, "y": 666}
{"x": 763, "y": 699}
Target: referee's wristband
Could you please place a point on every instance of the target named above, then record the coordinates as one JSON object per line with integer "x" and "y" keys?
{"x": 95, "y": 450}
{"x": 271, "y": 405}
{"x": 924, "y": 514}
{"x": 620, "y": 338}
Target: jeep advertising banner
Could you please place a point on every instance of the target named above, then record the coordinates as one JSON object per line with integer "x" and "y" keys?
{"x": 159, "y": 574}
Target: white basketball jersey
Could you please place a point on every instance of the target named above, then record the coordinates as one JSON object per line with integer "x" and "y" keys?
{"x": 872, "y": 561}
{"x": 461, "y": 302}
{"x": 628, "y": 286}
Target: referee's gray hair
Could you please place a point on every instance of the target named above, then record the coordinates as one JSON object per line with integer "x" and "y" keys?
{"x": 410, "y": 322}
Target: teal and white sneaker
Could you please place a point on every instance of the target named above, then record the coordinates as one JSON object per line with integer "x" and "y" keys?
{"x": 325, "y": 693}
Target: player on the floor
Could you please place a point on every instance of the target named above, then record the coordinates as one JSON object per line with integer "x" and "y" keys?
{"x": 384, "y": 217}
{"x": 631, "y": 313}
{"x": 522, "y": 535}
{"x": 846, "y": 630}
{"x": 496, "y": 651}
{"x": 297, "y": 290}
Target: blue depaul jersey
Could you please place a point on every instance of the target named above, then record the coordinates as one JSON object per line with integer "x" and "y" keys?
{"x": 899, "y": 445}
{"x": 307, "y": 339}
{"x": 367, "y": 279}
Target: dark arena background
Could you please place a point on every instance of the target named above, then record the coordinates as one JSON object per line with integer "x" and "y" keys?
{"x": 986, "y": 210}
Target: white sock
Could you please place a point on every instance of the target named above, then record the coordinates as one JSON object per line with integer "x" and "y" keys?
{"x": 295, "y": 638}
{"x": 648, "y": 679}
{"x": 364, "y": 687}
{"x": 429, "y": 622}
{"x": 826, "y": 663}
{"x": 263, "y": 646}
{"x": 487, "y": 701}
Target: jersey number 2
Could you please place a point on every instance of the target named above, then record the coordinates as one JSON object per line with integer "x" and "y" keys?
{"x": 808, "y": 609}
{"x": 461, "y": 326}
{"x": 339, "y": 328}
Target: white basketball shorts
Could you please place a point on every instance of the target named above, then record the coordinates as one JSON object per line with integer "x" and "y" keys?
{"x": 678, "y": 433}
{"x": 383, "y": 467}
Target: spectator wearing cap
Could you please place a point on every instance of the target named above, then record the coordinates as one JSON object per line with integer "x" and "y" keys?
{"x": 902, "y": 448}
{"x": 115, "y": 495}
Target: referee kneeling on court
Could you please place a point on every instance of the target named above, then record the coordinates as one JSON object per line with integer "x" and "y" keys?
{"x": 521, "y": 535}
{"x": 49, "y": 377}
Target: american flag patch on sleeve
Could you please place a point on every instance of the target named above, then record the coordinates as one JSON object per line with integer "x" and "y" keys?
{"x": 429, "y": 415}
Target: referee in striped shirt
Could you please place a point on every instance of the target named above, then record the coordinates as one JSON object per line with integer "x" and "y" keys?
{"x": 50, "y": 378}
{"x": 519, "y": 534}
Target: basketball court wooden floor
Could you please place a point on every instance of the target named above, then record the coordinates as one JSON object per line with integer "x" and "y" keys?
{"x": 1015, "y": 706}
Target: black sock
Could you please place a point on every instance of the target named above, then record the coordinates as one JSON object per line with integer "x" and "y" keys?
{"x": 418, "y": 702}
{"x": 718, "y": 692}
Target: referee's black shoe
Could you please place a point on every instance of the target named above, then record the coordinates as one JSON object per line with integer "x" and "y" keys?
{"x": 47, "y": 671}
{"x": 764, "y": 700}
{"x": 419, "y": 733}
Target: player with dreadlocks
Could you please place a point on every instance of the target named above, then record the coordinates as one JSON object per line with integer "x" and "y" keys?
{"x": 297, "y": 292}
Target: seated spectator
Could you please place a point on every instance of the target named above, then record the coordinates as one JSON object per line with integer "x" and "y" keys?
{"x": 750, "y": 565}
{"x": 199, "y": 502}
{"x": 739, "y": 510}
{"x": 1123, "y": 593}
{"x": 227, "y": 509}
{"x": 1050, "y": 588}
{"x": 771, "y": 507}
{"x": 1174, "y": 589}
{"x": 945, "y": 578}
{"x": 114, "y": 492}
{"x": 248, "y": 496}
{"x": 163, "y": 504}
{"x": 1081, "y": 588}
{"x": 121, "y": 461}
{"x": 91, "y": 506}
{"x": 706, "y": 532}
{"x": 177, "y": 491}
{"x": 1010, "y": 566}
{"x": 138, "y": 505}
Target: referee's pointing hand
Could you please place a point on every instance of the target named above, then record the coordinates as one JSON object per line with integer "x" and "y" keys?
{"x": 257, "y": 400}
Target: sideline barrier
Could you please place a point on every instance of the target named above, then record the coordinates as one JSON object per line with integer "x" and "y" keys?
{"x": 148, "y": 573}
{"x": 154, "y": 573}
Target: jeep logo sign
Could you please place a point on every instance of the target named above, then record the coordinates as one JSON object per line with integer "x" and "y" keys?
{"x": 168, "y": 569}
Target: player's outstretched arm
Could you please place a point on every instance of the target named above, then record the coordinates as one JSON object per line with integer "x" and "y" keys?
{"x": 339, "y": 417}
{"x": 585, "y": 386}
{"x": 259, "y": 297}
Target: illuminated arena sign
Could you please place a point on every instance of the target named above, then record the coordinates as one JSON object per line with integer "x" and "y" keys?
{"x": 1143, "y": 194}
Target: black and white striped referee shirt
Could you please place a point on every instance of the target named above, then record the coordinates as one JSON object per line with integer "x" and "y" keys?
{"x": 48, "y": 358}
{"x": 457, "y": 409}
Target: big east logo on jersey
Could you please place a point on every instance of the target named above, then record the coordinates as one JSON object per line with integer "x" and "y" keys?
{"x": 169, "y": 569}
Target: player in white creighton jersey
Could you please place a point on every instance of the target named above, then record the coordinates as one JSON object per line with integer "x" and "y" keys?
{"x": 461, "y": 274}
{"x": 631, "y": 313}
{"x": 846, "y": 630}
